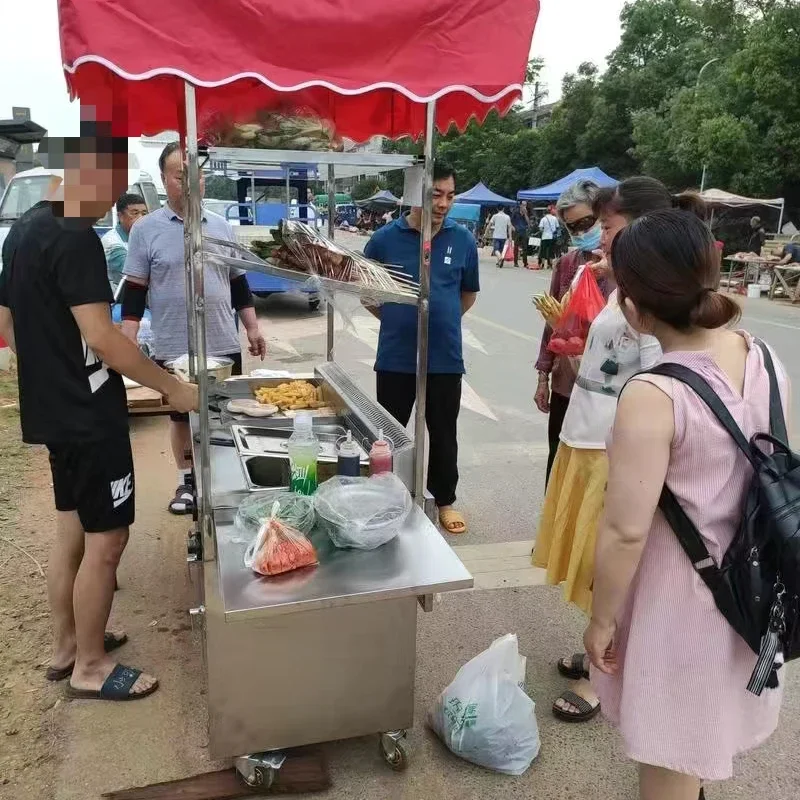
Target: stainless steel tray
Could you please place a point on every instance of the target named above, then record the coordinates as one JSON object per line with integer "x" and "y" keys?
{"x": 262, "y": 440}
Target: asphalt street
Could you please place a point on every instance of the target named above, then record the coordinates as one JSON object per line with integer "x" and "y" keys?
{"x": 503, "y": 437}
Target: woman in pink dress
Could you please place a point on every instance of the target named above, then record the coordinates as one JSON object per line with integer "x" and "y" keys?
{"x": 669, "y": 669}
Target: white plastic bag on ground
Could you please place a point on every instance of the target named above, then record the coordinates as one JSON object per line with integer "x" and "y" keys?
{"x": 484, "y": 715}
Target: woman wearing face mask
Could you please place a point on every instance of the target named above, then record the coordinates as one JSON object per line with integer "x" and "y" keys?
{"x": 670, "y": 669}
{"x": 556, "y": 376}
{"x": 574, "y": 500}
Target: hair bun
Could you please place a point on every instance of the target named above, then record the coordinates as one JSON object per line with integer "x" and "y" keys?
{"x": 691, "y": 202}
{"x": 714, "y": 310}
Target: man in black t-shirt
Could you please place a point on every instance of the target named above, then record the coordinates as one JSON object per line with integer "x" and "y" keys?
{"x": 55, "y": 313}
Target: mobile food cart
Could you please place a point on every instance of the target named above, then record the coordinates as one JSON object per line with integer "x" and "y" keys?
{"x": 328, "y": 652}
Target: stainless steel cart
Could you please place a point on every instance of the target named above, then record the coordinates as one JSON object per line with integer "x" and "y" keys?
{"x": 328, "y": 653}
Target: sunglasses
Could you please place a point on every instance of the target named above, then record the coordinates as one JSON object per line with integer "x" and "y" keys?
{"x": 581, "y": 225}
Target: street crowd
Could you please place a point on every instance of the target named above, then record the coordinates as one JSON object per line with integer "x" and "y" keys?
{"x": 659, "y": 659}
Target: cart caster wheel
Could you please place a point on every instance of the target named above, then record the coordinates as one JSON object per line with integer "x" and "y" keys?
{"x": 393, "y": 752}
{"x": 313, "y": 305}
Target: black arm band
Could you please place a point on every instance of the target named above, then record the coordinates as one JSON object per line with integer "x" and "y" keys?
{"x": 241, "y": 296}
{"x": 134, "y": 301}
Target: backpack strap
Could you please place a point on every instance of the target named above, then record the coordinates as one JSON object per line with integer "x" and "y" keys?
{"x": 777, "y": 419}
{"x": 687, "y": 534}
{"x": 704, "y": 391}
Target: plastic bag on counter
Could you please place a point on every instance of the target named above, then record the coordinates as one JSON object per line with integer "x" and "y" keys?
{"x": 296, "y": 510}
{"x": 484, "y": 716}
{"x": 584, "y": 304}
{"x": 363, "y": 513}
{"x": 278, "y": 548}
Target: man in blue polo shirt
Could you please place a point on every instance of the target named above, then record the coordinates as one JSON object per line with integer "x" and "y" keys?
{"x": 455, "y": 284}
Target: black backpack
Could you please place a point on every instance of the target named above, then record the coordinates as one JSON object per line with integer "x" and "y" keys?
{"x": 757, "y": 585}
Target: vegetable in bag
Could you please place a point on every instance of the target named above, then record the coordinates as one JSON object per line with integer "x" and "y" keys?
{"x": 585, "y": 303}
{"x": 279, "y": 548}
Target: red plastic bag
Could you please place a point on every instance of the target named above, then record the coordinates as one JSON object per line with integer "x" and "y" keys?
{"x": 279, "y": 548}
{"x": 585, "y": 303}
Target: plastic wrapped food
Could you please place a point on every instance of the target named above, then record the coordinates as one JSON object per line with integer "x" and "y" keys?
{"x": 279, "y": 548}
{"x": 279, "y": 129}
{"x": 299, "y": 247}
{"x": 296, "y": 510}
{"x": 584, "y": 304}
{"x": 363, "y": 513}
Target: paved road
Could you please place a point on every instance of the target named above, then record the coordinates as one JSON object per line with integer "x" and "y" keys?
{"x": 503, "y": 436}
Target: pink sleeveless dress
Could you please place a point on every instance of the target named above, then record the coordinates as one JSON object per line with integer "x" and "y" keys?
{"x": 679, "y": 698}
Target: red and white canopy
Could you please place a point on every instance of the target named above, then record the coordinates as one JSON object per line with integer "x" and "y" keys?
{"x": 368, "y": 67}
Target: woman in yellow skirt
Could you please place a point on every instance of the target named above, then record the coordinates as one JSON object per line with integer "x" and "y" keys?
{"x": 575, "y": 493}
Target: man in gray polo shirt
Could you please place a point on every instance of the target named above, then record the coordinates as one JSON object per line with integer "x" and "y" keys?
{"x": 155, "y": 264}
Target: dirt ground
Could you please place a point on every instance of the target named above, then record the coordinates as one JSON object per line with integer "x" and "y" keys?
{"x": 29, "y": 706}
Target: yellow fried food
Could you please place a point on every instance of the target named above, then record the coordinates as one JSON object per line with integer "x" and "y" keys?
{"x": 294, "y": 395}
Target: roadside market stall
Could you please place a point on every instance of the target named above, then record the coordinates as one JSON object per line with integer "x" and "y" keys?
{"x": 327, "y": 652}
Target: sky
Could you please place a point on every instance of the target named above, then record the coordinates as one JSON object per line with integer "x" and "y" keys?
{"x": 568, "y": 32}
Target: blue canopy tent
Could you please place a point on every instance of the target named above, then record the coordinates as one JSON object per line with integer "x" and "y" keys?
{"x": 482, "y": 195}
{"x": 553, "y": 190}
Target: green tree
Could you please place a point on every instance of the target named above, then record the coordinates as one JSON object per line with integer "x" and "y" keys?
{"x": 365, "y": 188}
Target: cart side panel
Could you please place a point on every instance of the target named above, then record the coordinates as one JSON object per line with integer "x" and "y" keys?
{"x": 316, "y": 676}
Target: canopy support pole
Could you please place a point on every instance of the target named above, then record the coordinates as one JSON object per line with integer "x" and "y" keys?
{"x": 780, "y": 221}
{"x": 331, "y": 233}
{"x": 420, "y": 429}
{"x": 193, "y": 240}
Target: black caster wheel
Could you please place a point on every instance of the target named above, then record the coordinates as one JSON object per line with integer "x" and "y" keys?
{"x": 393, "y": 752}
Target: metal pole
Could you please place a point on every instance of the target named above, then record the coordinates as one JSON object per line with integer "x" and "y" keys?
{"x": 253, "y": 197}
{"x": 424, "y": 305}
{"x": 189, "y": 274}
{"x": 331, "y": 233}
{"x": 696, "y": 87}
{"x": 288, "y": 194}
{"x": 780, "y": 220}
{"x": 193, "y": 225}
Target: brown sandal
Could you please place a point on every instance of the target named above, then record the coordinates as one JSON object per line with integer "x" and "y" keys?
{"x": 453, "y": 522}
{"x": 586, "y": 710}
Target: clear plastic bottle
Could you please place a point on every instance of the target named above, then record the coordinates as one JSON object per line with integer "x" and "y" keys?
{"x": 380, "y": 456}
{"x": 303, "y": 447}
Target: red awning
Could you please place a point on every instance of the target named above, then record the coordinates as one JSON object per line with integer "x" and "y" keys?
{"x": 367, "y": 67}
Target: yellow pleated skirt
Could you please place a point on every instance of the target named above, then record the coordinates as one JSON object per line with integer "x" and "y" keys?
{"x": 572, "y": 508}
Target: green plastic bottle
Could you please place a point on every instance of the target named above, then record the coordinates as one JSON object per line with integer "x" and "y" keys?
{"x": 303, "y": 450}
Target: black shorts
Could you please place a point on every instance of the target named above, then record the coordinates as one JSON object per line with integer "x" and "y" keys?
{"x": 95, "y": 479}
{"x": 176, "y": 416}
{"x": 546, "y": 249}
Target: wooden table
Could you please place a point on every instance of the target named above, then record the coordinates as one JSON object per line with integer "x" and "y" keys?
{"x": 143, "y": 401}
{"x": 757, "y": 262}
{"x": 788, "y": 277}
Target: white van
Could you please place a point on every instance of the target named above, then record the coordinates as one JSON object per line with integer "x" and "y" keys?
{"x": 28, "y": 188}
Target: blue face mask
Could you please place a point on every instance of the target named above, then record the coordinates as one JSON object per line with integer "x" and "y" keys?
{"x": 589, "y": 240}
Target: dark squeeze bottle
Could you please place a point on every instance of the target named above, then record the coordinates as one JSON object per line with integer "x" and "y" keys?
{"x": 348, "y": 457}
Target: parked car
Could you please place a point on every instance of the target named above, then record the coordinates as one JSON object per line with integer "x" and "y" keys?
{"x": 30, "y": 187}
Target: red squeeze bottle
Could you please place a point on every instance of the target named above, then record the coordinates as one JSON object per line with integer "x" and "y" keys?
{"x": 380, "y": 456}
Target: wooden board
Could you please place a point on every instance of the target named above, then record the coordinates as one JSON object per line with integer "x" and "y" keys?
{"x": 305, "y": 770}
{"x": 142, "y": 400}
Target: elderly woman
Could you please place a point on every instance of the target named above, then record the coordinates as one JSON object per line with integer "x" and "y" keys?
{"x": 556, "y": 376}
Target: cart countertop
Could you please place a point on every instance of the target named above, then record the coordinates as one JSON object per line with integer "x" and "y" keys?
{"x": 417, "y": 562}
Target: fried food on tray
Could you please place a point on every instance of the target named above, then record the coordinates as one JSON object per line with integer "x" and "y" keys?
{"x": 294, "y": 395}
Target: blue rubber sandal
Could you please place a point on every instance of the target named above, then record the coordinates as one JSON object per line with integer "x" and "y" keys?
{"x": 117, "y": 687}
